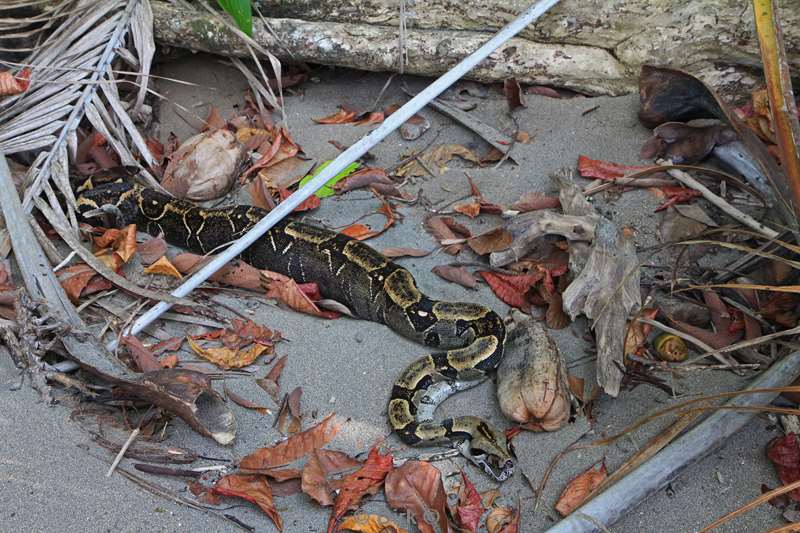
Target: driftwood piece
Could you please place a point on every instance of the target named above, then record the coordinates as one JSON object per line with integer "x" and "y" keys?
{"x": 656, "y": 473}
{"x": 184, "y": 393}
{"x": 594, "y": 47}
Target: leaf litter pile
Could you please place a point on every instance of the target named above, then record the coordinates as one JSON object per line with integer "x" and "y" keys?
{"x": 718, "y": 293}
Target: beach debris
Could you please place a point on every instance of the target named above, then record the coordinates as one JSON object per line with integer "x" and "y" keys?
{"x": 784, "y": 452}
{"x": 322, "y": 472}
{"x": 370, "y": 523}
{"x": 416, "y": 488}
{"x": 469, "y": 510}
{"x": 580, "y": 488}
{"x": 253, "y": 488}
{"x": 12, "y": 83}
{"x": 670, "y": 348}
{"x": 456, "y": 274}
{"x": 434, "y": 159}
{"x": 685, "y": 144}
{"x": 270, "y": 382}
{"x": 368, "y": 479}
{"x": 514, "y": 94}
{"x": 503, "y": 519}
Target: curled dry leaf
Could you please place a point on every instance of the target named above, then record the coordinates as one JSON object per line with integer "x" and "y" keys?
{"x": 605, "y": 170}
{"x": 205, "y": 166}
{"x": 299, "y": 297}
{"x": 342, "y": 116}
{"x": 362, "y": 178}
{"x": 447, "y": 229}
{"x": 312, "y": 202}
{"x": 242, "y": 333}
{"x": 456, "y": 274}
{"x": 265, "y": 459}
{"x": 270, "y": 382}
{"x": 228, "y": 358}
{"x": 365, "y": 480}
{"x": 253, "y": 488}
{"x": 164, "y": 268}
{"x": 121, "y": 241}
{"x": 370, "y": 523}
{"x": 416, "y": 487}
{"x": 237, "y": 273}
{"x": 244, "y": 402}
{"x": 436, "y": 157}
{"x": 81, "y": 280}
{"x": 784, "y": 452}
{"x": 290, "y": 416}
{"x": 470, "y": 208}
{"x": 580, "y": 488}
{"x": 503, "y": 520}
{"x": 533, "y": 201}
{"x": 470, "y": 508}
{"x": 151, "y": 250}
{"x": 11, "y": 84}
{"x": 362, "y": 232}
{"x": 318, "y": 472}
{"x": 143, "y": 357}
{"x": 514, "y": 95}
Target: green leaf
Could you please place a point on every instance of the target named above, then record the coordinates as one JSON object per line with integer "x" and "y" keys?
{"x": 242, "y": 13}
{"x": 327, "y": 189}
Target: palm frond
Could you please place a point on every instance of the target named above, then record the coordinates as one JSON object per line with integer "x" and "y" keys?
{"x": 72, "y": 78}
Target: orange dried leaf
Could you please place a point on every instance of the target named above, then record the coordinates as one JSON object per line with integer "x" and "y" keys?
{"x": 370, "y": 523}
{"x": 343, "y": 116}
{"x": 494, "y": 240}
{"x": 293, "y": 448}
{"x": 143, "y": 357}
{"x": 456, "y": 274}
{"x": 404, "y": 252}
{"x": 286, "y": 290}
{"x": 580, "y": 488}
{"x": 252, "y": 488}
{"x": 169, "y": 361}
{"x": 227, "y": 358}
{"x": 471, "y": 208}
{"x": 75, "y": 279}
{"x": 503, "y": 520}
{"x": 164, "y": 268}
{"x": 358, "y": 231}
{"x": 512, "y": 289}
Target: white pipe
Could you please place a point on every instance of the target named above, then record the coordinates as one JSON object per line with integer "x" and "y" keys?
{"x": 344, "y": 159}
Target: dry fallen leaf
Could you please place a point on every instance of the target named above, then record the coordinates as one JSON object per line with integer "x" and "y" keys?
{"x": 503, "y": 520}
{"x": 342, "y": 116}
{"x": 228, "y": 358}
{"x": 252, "y": 488}
{"x": 370, "y": 523}
{"x": 470, "y": 508}
{"x": 513, "y": 93}
{"x": 404, "y": 252}
{"x": 512, "y": 289}
{"x": 270, "y": 382}
{"x": 447, "y": 229}
{"x": 318, "y": 471}
{"x": 143, "y": 357}
{"x": 435, "y": 158}
{"x": 264, "y": 459}
{"x": 533, "y": 201}
{"x": 580, "y": 488}
{"x": 495, "y": 240}
{"x": 365, "y": 480}
{"x": 416, "y": 487}
{"x": 297, "y": 296}
{"x": 81, "y": 279}
{"x": 237, "y": 273}
{"x": 164, "y": 268}
{"x": 151, "y": 250}
{"x": 456, "y": 274}
{"x": 605, "y": 170}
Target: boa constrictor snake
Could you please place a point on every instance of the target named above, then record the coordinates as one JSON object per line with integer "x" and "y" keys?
{"x": 372, "y": 287}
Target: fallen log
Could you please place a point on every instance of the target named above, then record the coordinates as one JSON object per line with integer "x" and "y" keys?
{"x": 592, "y": 47}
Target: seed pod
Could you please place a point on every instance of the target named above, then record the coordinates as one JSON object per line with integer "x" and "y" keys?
{"x": 205, "y": 166}
{"x": 670, "y": 347}
{"x": 532, "y": 385}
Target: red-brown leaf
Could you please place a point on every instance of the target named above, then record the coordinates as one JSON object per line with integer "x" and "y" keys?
{"x": 605, "y": 170}
{"x": 470, "y": 508}
{"x": 470, "y": 208}
{"x": 784, "y": 452}
{"x": 152, "y": 250}
{"x": 365, "y": 480}
{"x": 404, "y": 252}
{"x": 270, "y": 382}
{"x": 312, "y": 202}
{"x": 296, "y": 296}
{"x": 362, "y": 178}
{"x": 416, "y": 487}
{"x": 503, "y": 520}
{"x": 237, "y": 273}
{"x": 456, "y": 274}
{"x": 252, "y": 488}
{"x": 512, "y": 289}
{"x": 533, "y": 201}
{"x": 579, "y": 488}
{"x": 143, "y": 357}
{"x": 513, "y": 93}
{"x": 296, "y": 446}
{"x": 494, "y": 240}
{"x": 321, "y": 465}
{"x": 343, "y": 116}
{"x": 445, "y": 229}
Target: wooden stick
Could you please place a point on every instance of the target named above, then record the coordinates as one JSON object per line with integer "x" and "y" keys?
{"x": 122, "y": 451}
{"x": 726, "y": 208}
{"x": 656, "y": 473}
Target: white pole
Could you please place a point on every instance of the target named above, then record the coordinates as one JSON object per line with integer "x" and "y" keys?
{"x": 344, "y": 159}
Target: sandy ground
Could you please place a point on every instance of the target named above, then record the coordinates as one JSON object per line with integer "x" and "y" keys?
{"x": 52, "y": 476}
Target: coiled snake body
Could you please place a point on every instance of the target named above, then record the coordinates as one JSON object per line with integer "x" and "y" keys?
{"x": 372, "y": 287}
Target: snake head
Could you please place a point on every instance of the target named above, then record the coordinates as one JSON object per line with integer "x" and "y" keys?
{"x": 490, "y": 450}
{"x": 111, "y": 198}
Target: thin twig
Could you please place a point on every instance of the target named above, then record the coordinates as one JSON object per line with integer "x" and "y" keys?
{"x": 122, "y": 451}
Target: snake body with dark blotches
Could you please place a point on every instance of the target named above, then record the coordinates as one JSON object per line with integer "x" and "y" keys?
{"x": 374, "y": 288}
